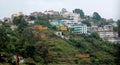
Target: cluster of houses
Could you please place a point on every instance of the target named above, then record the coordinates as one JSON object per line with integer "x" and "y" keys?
{"x": 72, "y": 23}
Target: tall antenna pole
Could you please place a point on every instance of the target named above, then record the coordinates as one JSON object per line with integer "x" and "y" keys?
{"x": 17, "y": 59}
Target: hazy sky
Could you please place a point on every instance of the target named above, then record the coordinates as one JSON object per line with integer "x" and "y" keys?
{"x": 106, "y": 8}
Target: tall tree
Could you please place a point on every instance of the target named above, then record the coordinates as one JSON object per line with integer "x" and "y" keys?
{"x": 79, "y": 11}
{"x": 20, "y": 22}
{"x": 118, "y": 23}
{"x": 96, "y": 16}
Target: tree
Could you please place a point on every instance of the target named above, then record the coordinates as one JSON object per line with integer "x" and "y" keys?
{"x": 118, "y": 23}
{"x": 117, "y": 59}
{"x": 3, "y": 37}
{"x": 32, "y": 17}
{"x": 96, "y": 16}
{"x": 79, "y": 11}
{"x": 87, "y": 23}
{"x": 95, "y": 35}
{"x": 20, "y": 22}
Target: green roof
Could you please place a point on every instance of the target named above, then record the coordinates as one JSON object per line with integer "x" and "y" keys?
{"x": 58, "y": 22}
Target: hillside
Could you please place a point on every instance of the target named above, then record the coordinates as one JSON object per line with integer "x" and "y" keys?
{"x": 39, "y": 45}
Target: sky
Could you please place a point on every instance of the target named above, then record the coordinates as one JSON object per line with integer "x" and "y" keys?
{"x": 106, "y": 8}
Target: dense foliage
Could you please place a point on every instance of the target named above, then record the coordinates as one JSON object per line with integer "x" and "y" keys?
{"x": 118, "y": 22}
{"x": 79, "y": 11}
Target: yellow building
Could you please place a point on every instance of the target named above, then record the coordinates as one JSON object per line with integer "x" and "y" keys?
{"x": 62, "y": 28}
{"x": 39, "y": 27}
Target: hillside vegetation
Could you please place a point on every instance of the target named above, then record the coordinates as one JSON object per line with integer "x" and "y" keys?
{"x": 51, "y": 49}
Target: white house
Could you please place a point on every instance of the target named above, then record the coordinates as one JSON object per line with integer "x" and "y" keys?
{"x": 94, "y": 28}
{"x": 72, "y": 16}
{"x": 31, "y": 22}
{"x": 60, "y": 34}
{"x": 106, "y": 34}
{"x": 13, "y": 27}
{"x": 108, "y": 27}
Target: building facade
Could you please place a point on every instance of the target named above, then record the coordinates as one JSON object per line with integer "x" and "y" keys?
{"x": 79, "y": 28}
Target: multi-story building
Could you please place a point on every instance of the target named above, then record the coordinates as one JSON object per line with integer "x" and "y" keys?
{"x": 16, "y": 15}
{"x": 79, "y": 28}
{"x": 108, "y": 27}
{"x": 107, "y": 34}
{"x": 69, "y": 23}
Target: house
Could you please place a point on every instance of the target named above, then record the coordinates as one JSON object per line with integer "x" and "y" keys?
{"x": 62, "y": 28}
{"x": 31, "y": 22}
{"x": 71, "y": 16}
{"x": 16, "y": 15}
{"x": 13, "y": 16}
{"x": 110, "y": 36}
{"x": 108, "y": 27}
{"x": 79, "y": 28}
{"x": 100, "y": 29}
{"x": 20, "y": 13}
{"x": 105, "y": 28}
{"x": 57, "y": 23}
{"x": 89, "y": 30}
{"x": 94, "y": 28}
{"x": 13, "y": 27}
{"x": 7, "y": 20}
{"x": 39, "y": 27}
{"x": 36, "y": 14}
{"x": 107, "y": 31}
{"x": 60, "y": 34}
{"x": 107, "y": 34}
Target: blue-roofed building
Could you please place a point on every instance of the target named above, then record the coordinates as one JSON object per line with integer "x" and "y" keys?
{"x": 57, "y": 23}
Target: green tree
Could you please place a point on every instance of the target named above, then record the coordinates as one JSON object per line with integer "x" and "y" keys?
{"x": 115, "y": 29}
{"x": 117, "y": 60}
{"x": 32, "y": 17}
{"x": 3, "y": 38}
{"x": 96, "y": 16}
{"x": 20, "y": 22}
{"x": 87, "y": 23}
{"x": 95, "y": 35}
{"x": 118, "y": 23}
{"x": 79, "y": 11}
